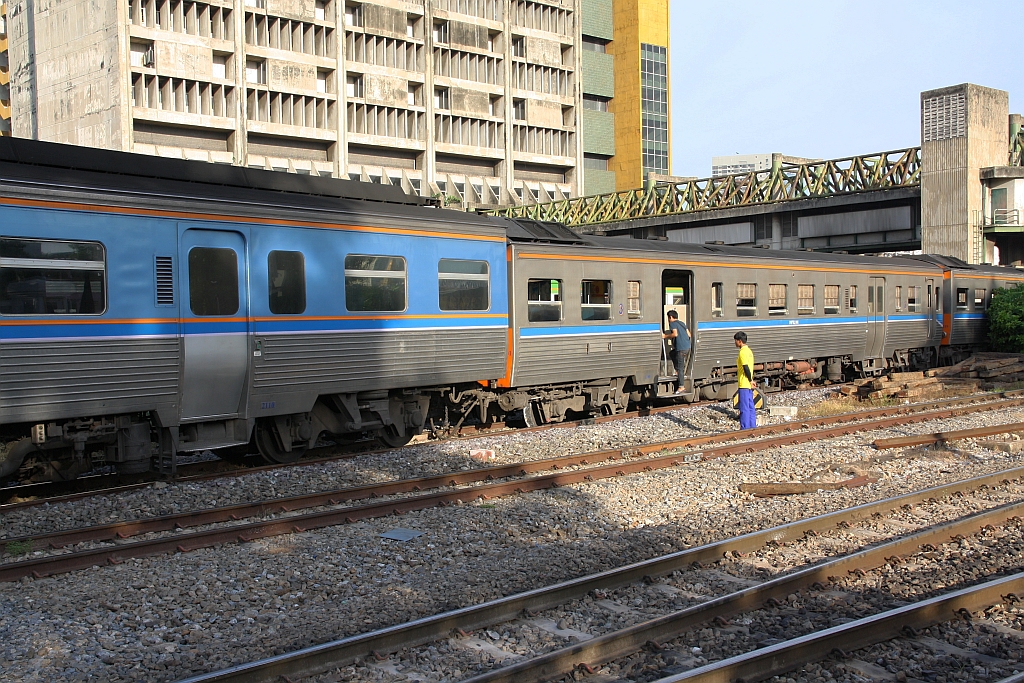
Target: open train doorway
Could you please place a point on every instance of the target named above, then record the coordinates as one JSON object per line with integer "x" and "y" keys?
{"x": 676, "y": 295}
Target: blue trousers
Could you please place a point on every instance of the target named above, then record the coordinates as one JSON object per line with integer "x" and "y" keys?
{"x": 748, "y": 414}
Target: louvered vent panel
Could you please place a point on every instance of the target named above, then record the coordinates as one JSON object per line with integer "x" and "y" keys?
{"x": 164, "y": 281}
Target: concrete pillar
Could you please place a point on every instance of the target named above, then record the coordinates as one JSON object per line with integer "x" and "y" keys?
{"x": 963, "y": 129}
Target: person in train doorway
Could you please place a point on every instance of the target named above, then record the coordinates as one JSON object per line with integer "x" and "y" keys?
{"x": 677, "y": 331}
{"x": 745, "y": 378}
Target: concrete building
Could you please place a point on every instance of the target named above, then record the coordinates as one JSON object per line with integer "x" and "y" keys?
{"x": 964, "y": 129}
{"x": 5, "y": 75}
{"x": 735, "y": 164}
{"x": 476, "y": 101}
{"x": 625, "y": 93}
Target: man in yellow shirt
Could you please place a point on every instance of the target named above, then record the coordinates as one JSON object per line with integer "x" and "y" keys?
{"x": 745, "y": 379}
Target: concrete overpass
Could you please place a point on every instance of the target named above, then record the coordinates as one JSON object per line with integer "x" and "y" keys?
{"x": 961, "y": 194}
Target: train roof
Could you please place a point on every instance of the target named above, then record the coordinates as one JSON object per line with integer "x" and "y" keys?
{"x": 57, "y": 172}
{"x": 127, "y": 169}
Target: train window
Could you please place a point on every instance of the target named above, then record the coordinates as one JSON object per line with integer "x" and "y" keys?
{"x": 851, "y": 298}
{"x": 746, "y": 300}
{"x": 374, "y": 283}
{"x": 463, "y": 285}
{"x": 596, "y": 300}
{"x": 961, "y": 298}
{"x": 48, "y": 277}
{"x": 899, "y": 297}
{"x": 213, "y": 281}
{"x": 544, "y": 301}
{"x": 776, "y": 299}
{"x": 805, "y": 299}
{"x": 634, "y": 302}
{"x": 871, "y": 299}
{"x": 979, "y": 299}
{"x": 287, "y": 275}
{"x": 717, "y": 300}
{"x": 914, "y": 299}
{"x": 831, "y": 299}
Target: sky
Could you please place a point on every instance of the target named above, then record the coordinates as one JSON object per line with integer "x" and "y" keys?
{"x": 826, "y": 79}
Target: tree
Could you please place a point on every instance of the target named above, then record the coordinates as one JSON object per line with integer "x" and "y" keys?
{"x": 1006, "y": 320}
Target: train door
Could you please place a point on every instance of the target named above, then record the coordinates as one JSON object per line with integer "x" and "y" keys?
{"x": 875, "y": 345}
{"x": 933, "y": 323}
{"x": 676, "y": 290}
{"x": 215, "y": 313}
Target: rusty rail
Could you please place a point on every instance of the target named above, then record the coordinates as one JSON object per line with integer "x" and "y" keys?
{"x": 621, "y": 465}
{"x": 319, "y": 658}
{"x": 943, "y": 437}
{"x": 781, "y": 657}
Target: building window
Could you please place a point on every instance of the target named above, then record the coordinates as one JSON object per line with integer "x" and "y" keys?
{"x": 519, "y": 110}
{"x": 831, "y": 299}
{"x": 286, "y": 272}
{"x": 354, "y": 86}
{"x": 776, "y": 299}
{"x": 442, "y": 98}
{"x": 213, "y": 281}
{"x": 805, "y": 299}
{"x": 353, "y": 15}
{"x": 374, "y": 283}
{"x": 979, "y": 299}
{"x": 596, "y": 300}
{"x": 746, "y": 300}
{"x": 654, "y": 108}
{"x": 788, "y": 224}
{"x": 634, "y": 302}
{"x": 441, "y": 32}
{"x": 762, "y": 227}
{"x": 463, "y": 285}
{"x": 597, "y": 163}
{"x": 43, "y": 277}
{"x": 519, "y": 46}
{"x": 320, "y": 10}
{"x": 256, "y": 72}
{"x": 717, "y": 299}
{"x": 220, "y": 66}
{"x": 593, "y": 44}
{"x": 595, "y": 103}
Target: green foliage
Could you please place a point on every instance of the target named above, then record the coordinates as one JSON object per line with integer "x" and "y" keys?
{"x": 18, "y": 548}
{"x": 1006, "y": 320}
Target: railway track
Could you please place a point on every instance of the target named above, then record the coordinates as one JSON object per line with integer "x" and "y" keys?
{"x": 586, "y": 467}
{"x": 28, "y": 495}
{"x": 31, "y": 495}
{"x": 591, "y": 653}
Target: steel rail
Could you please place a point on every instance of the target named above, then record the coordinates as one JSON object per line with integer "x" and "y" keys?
{"x": 626, "y": 641}
{"x": 646, "y": 412}
{"x": 319, "y": 658}
{"x": 785, "y": 656}
{"x": 943, "y": 437}
{"x": 340, "y": 452}
{"x": 246, "y": 532}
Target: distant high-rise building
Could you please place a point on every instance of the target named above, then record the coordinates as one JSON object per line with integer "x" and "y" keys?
{"x": 747, "y": 163}
{"x": 625, "y": 93}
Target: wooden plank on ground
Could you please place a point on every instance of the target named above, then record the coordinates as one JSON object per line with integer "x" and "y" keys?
{"x": 797, "y": 487}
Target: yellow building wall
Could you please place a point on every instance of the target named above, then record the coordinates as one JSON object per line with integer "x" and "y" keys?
{"x": 636, "y": 22}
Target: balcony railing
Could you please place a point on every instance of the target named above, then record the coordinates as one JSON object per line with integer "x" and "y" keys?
{"x": 1003, "y": 217}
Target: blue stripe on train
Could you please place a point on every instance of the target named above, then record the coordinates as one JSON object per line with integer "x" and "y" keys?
{"x": 299, "y": 325}
{"x": 97, "y": 329}
{"x": 586, "y": 329}
{"x": 783, "y": 322}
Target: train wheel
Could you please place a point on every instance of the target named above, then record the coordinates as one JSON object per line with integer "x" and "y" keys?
{"x": 532, "y": 415}
{"x": 390, "y": 438}
{"x": 270, "y": 447}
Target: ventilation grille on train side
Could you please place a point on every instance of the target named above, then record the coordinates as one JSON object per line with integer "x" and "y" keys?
{"x": 164, "y": 281}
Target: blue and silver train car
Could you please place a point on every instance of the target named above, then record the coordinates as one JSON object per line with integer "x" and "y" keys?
{"x": 141, "y": 306}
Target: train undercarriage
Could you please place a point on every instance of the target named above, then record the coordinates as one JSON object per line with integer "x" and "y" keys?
{"x": 137, "y": 443}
